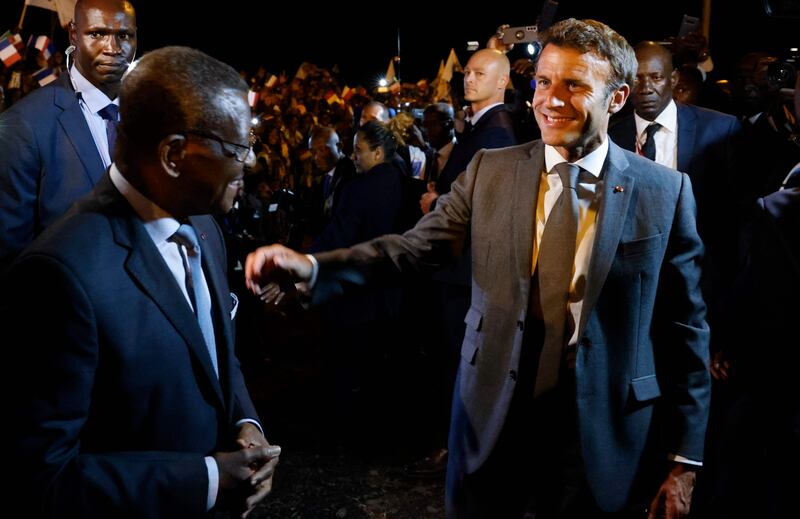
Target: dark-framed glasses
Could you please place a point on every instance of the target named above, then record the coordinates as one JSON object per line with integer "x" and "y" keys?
{"x": 240, "y": 152}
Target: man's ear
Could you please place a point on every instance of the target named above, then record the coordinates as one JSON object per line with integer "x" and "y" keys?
{"x": 73, "y": 34}
{"x": 617, "y": 98}
{"x": 171, "y": 152}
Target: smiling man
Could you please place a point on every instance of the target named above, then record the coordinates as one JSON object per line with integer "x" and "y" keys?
{"x": 56, "y": 143}
{"x": 582, "y": 388}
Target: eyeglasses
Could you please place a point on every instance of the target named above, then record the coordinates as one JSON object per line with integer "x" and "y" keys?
{"x": 240, "y": 152}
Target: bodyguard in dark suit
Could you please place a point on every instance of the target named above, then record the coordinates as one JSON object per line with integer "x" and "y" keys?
{"x": 129, "y": 401}
{"x": 54, "y": 143}
{"x": 582, "y": 390}
{"x": 699, "y": 142}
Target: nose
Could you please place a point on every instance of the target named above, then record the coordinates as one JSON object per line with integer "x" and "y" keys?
{"x": 113, "y": 45}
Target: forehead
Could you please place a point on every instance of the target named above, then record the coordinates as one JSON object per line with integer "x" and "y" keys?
{"x": 653, "y": 60}
{"x": 571, "y": 63}
{"x": 106, "y": 14}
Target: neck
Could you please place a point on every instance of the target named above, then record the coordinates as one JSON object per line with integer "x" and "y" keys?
{"x": 480, "y": 105}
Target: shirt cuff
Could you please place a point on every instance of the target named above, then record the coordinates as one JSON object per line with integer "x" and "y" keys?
{"x": 213, "y": 482}
{"x": 250, "y": 420}
{"x": 314, "y": 271}
{"x": 687, "y": 461}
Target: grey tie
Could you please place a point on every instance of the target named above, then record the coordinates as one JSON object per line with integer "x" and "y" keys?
{"x": 111, "y": 115}
{"x": 196, "y": 287}
{"x": 554, "y": 272}
{"x": 649, "y": 148}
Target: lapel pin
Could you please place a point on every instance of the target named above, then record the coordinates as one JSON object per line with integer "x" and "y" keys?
{"x": 203, "y": 235}
{"x": 619, "y": 189}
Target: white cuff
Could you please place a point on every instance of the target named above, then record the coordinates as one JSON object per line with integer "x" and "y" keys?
{"x": 213, "y": 482}
{"x": 250, "y": 420}
{"x": 687, "y": 461}
{"x": 314, "y": 271}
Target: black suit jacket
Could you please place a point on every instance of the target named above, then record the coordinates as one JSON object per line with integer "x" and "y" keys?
{"x": 116, "y": 402}
{"x": 48, "y": 160}
{"x": 495, "y": 129}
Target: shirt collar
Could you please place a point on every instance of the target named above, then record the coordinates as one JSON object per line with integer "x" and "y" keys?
{"x": 593, "y": 162}
{"x": 160, "y": 225}
{"x": 668, "y": 118}
{"x": 94, "y": 98}
{"x": 477, "y": 115}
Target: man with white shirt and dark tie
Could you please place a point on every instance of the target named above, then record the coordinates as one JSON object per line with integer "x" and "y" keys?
{"x": 699, "y": 142}
{"x": 583, "y": 385}
{"x": 131, "y": 402}
{"x": 55, "y": 143}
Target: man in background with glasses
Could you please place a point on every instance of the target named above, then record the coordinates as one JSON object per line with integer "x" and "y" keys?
{"x": 132, "y": 402}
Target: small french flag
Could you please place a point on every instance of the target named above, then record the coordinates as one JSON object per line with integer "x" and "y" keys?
{"x": 44, "y": 76}
{"x": 9, "y": 53}
{"x": 252, "y": 98}
{"x": 45, "y": 46}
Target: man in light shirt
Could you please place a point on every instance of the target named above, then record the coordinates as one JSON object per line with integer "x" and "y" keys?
{"x": 129, "y": 400}
{"x": 614, "y": 422}
{"x": 54, "y": 143}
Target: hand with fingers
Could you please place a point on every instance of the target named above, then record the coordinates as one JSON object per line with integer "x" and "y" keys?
{"x": 271, "y": 271}
{"x": 245, "y": 476}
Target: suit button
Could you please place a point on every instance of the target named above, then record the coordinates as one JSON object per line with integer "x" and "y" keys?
{"x": 513, "y": 374}
{"x": 520, "y": 325}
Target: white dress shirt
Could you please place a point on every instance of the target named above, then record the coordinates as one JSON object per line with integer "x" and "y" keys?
{"x": 666, "y": 137}
{"x": 588, "y": 201}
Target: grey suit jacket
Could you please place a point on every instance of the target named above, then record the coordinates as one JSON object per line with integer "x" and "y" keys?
{"x": 643, "y": 340}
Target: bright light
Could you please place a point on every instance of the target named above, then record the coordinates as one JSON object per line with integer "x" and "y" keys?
{"x": 531, "y": 49}
{"x": 254, "y": 121}
{"x": 383, "y": 82}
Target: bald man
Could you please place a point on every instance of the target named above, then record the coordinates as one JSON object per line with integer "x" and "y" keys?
{"x": 55, "y": 143}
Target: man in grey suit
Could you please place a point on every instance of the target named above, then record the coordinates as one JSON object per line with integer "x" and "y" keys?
{"x": 55, "y": 143}
{"x": 611, "y": 421}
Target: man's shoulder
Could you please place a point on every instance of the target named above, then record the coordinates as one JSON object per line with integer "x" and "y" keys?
{"x": 707, "y": 115}
{"x": 37, "y": 104}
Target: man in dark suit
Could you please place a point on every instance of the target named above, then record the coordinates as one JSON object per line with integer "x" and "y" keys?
{"x": 696, "y": 141}
{"x": 54, "y": 143}
{"x": 337, "y": 168}
{"x": 131, "y": 403}
{"x": 489, "y": 124}
{"x": 580, "y": 400}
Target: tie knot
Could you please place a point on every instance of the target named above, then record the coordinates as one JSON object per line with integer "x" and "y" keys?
{"x": 568, "y": 174}
{"x": 110, "y": 112}
{"x": 652, "y": 129}
{"x": 186, "y": 236}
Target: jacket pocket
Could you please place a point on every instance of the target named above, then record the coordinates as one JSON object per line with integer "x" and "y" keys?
{"x": 645, "y": 388}
{"x": 640, "y": 246}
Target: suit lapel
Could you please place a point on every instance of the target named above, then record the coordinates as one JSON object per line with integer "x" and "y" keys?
{"x": 77, "y": 131}
{"x": 616, "y": 192}
{"x": 686, "y": 137}
{"x": 145, "y": 265}
{"x": 220, "y": 298}
{"x": 526, "y": 190}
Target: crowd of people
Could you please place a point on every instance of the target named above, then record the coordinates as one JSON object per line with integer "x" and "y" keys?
{"x": 603, "y": 276}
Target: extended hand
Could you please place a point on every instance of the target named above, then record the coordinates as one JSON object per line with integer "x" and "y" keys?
{"x": 272, "y": 260}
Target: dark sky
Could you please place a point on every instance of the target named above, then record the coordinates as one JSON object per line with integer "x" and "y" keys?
{"x": 363, "y": 40}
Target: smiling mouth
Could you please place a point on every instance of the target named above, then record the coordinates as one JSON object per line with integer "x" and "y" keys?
{"x": 551, "y": 119}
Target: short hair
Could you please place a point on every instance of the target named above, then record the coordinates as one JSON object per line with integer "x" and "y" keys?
{"x": 445, "y": 110}
{"x": 591, "y": 36}
{"x": 171, "y": 90}
{"x": 376, "y": 133}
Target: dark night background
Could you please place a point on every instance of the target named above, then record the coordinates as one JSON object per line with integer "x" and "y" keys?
{"x": 361, "y": 37}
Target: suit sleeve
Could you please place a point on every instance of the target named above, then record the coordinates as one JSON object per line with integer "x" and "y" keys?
{"x": 19, "y": 179}
{"x": 56, "y": 364}
{"x": 682, "y": 334}
{"x": 435, "y": 241}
